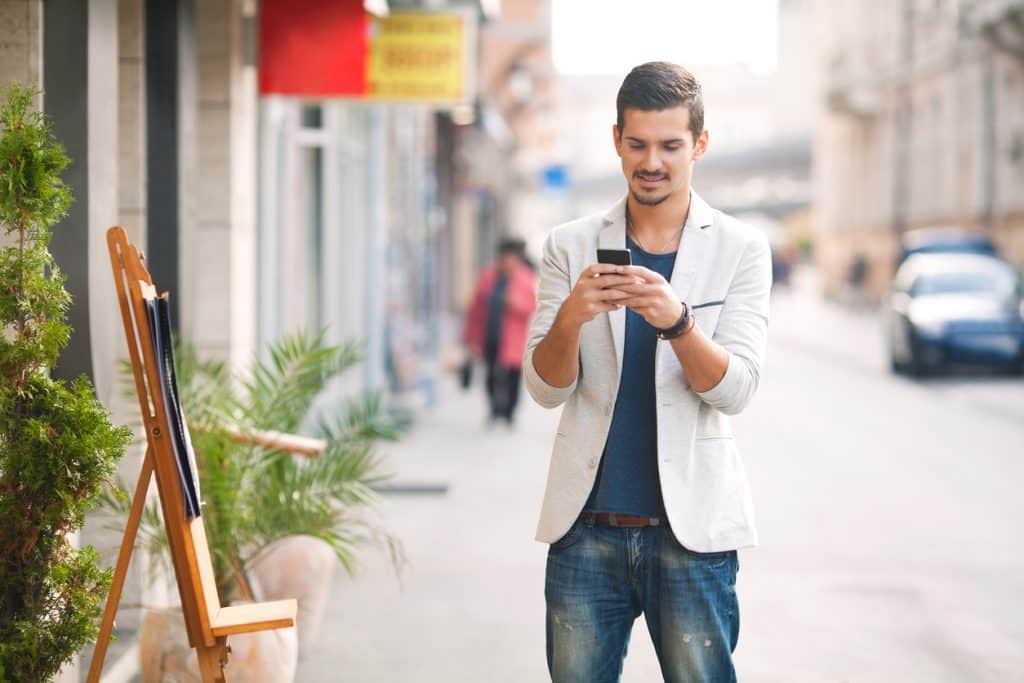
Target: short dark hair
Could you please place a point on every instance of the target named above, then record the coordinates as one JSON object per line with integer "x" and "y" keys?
{"x": 512, "y": 245}
{"x": 655, "y": 86}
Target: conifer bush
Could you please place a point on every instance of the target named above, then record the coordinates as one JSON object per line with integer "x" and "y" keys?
{"x": 57, "y": 446}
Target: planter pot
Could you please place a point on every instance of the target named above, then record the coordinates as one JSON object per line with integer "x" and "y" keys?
{"x": 165, "y": 655}
{"x": 299, "y": 567}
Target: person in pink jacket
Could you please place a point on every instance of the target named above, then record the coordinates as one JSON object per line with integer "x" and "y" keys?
{"x": 497, "y": 323}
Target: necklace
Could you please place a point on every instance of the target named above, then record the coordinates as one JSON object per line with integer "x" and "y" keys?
{"x": 674, "y": 236}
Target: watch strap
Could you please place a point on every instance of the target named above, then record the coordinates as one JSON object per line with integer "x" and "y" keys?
{"x": 681, "y": 326}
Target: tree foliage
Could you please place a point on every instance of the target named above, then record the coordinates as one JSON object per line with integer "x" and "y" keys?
{"x": 57, "y": 446}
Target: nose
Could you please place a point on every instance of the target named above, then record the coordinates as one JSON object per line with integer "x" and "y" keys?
{"x": 651, "y": 162}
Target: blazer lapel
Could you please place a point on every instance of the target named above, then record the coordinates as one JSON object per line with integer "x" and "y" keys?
{"x": 613, "y": 236}
{"x": 692, "y": 254}
{"x": 691, "y": 257}
{"x": 692, "y": 247}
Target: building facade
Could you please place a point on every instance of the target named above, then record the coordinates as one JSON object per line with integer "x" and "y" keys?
{"x": 261, "y": 215}
{"x": 924, "y": 126}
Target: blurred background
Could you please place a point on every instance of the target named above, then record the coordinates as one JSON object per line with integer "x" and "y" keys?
{"x": 352, "y": 166}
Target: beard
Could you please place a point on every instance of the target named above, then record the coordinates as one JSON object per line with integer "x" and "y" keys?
{"x": 649, "y": 201}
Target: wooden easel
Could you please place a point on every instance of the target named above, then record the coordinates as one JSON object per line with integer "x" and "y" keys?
{"x": 207, "y": 622}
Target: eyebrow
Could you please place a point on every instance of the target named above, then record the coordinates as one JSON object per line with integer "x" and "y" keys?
{"x": 630, "y": 138}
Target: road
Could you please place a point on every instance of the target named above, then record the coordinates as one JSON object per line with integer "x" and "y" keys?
{"x": 889, "y": 512}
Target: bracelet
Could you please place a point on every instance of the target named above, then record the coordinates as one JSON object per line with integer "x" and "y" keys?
{"x": 682, "y": 326}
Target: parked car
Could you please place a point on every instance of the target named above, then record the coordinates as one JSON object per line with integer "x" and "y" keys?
{"x": 945, "y": 309}
{"x": 944, "y": 240}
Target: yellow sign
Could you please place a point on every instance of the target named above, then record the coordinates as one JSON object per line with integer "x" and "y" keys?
{"x": 422, "y": 57}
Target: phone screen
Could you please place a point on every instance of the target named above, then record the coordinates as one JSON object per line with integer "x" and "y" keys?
{"x": 615, "y": 257}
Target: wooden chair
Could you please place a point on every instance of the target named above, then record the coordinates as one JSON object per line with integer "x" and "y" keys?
{"x": 208, "y": 623}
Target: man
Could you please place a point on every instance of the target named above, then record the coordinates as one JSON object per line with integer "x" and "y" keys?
{"x": 497, "y": 323}
{"x": 647, "y": 500}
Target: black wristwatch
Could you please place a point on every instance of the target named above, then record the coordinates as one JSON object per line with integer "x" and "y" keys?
{"x": 681, "y": 327}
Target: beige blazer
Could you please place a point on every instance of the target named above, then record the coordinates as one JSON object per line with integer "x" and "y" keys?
{"x": 723, "y": 269}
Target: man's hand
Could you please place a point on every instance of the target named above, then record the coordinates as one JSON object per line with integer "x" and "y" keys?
{"x": 599, "y": 290}
{"x": 653, "y": 297}
{"x": 556, "y": 358}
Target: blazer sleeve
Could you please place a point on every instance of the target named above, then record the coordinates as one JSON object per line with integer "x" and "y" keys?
{"x": 743, "y": 329}
{"x": 553, "y": 288}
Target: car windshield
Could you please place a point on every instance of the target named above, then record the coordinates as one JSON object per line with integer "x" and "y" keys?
{"x": 995, "y": 283}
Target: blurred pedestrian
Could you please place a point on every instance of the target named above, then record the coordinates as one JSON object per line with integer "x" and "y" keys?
{"x": 857, "y": 281}
{"x": 858, "y": 271}
{"x": 647, "y": 500}
{"x": 782, "y": 265}
{"x": 497, "y": 323}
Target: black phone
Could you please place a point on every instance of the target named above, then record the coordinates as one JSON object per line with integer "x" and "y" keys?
{"x": 615, "y": 257}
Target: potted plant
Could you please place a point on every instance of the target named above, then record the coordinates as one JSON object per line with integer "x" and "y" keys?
{"x": 275, "y": 522}
{"x": 57, "y": 446}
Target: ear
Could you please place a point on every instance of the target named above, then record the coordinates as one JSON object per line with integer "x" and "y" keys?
{"x": 701, "y": 145}
{"x": 617, "y": 139}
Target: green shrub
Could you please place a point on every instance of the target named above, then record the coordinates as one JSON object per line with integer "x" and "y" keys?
{"x": 57, "y": 446}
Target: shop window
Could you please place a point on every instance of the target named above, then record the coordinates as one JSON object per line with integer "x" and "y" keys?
{"x": 312, "y": 115}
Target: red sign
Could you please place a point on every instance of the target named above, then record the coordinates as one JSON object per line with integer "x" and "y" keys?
{"x": 314, "y": 48}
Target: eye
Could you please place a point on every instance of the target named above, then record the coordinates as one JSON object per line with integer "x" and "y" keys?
{"x": 636, "y": 147}
{"x": 673, "y": 148}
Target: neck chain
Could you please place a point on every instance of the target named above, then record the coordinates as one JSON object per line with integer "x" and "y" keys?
{"x": 673, "y": 237}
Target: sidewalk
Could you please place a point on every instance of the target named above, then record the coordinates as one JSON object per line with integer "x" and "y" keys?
{"x": 827, "y": 420}
{"x": 470, "y": 606}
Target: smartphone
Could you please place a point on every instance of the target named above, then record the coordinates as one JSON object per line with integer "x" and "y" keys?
{"x": 616, "y": 257}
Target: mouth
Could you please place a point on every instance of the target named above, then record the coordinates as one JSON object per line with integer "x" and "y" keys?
{"x": 649, "y": 181}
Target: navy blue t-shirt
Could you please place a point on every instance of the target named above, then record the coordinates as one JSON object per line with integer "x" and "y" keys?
{"x": 627, "y": 481}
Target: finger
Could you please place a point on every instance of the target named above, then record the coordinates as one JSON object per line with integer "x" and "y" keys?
{"x": 595, "y": 269}
{"x": 645, "y": 274}
{"x": 628, "y": 302}
{"x": 640, "y": 303}
{"x": 614, "y": 280}
{"x": 612, "y": 295}
{"x": 635, "y": 289}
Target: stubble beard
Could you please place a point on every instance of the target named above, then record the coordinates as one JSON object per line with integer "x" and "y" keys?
{"x": 648, "y": 201}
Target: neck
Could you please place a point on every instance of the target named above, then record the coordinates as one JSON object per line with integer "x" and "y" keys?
{"x": 659, "y": 222}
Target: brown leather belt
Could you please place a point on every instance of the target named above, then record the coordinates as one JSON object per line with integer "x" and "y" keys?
{"x": 621, "y": 521}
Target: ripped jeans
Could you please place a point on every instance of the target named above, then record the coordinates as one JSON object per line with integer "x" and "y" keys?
{"x": 600, "y": 579}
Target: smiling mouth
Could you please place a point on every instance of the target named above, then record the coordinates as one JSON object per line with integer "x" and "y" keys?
{"x": 647, "y": 180}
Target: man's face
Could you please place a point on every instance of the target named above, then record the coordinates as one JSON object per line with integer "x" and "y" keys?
{"x": 657, "y": 151}
{"x": 508, "y": 262}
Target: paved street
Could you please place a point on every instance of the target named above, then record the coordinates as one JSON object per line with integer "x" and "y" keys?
{"x": 889, "y": 513}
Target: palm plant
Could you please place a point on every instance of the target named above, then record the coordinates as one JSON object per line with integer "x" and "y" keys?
{"x": 254, "y": 496}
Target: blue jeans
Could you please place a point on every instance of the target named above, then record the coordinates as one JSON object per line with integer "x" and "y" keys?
{"x": 600, "y": 579}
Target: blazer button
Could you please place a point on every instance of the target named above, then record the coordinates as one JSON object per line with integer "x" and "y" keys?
{"x": 593, "y": 463}
{"x": 608, "y": 410}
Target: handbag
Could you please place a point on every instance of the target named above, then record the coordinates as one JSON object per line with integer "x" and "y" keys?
{"x": 466, "y": 373}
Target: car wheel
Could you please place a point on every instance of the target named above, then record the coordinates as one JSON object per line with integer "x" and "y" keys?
{"x": 916, "y": 366}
